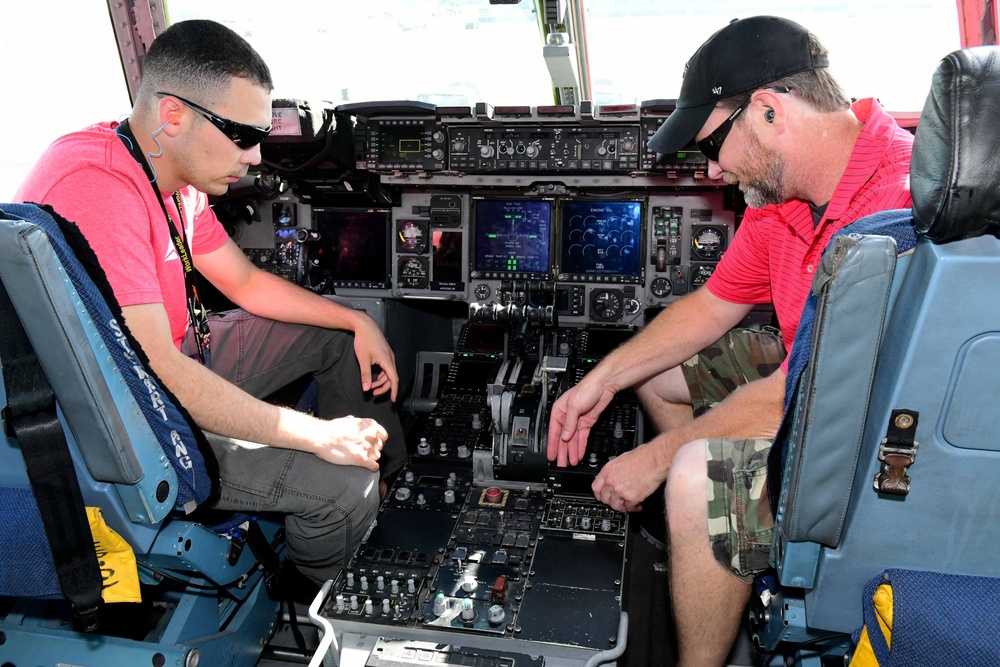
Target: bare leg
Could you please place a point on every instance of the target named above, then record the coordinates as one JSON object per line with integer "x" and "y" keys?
{"x": 666, "y": 399}
{"x": 708, "y": 601}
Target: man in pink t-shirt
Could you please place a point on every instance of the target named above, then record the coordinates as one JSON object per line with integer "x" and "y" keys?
{"x": 138, "y": 191}
{"x": 759, "y": 102}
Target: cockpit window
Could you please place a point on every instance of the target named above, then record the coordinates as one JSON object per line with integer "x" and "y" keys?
{"x": 886, "y": 49}
{"x": 446, "y": 52}
{"x": 459, "y": 52}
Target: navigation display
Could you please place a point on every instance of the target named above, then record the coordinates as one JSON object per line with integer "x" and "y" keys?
{"x": 512, "y": 237}
{"x": 599, "y": 238}
{"x": 352, "y": 249}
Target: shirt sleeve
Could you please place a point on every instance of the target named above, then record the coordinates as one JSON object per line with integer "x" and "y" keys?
{"x": 742, "y": 275}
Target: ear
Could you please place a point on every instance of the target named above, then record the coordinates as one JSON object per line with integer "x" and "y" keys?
{"x": 170, "y": 115}
{"x": 772, "y": 108}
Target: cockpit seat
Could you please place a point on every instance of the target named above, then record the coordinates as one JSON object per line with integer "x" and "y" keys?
{"x": 136, "y": 460}
{"x": 889, "y": 454}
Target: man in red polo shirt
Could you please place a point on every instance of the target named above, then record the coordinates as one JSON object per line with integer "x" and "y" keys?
{"x": 758, "y": 100}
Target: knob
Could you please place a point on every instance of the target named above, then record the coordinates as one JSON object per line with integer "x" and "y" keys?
{"x": 592, "y": 459}
{"x": 439, "y": 422}
{"x": 486, "y": 151}
{"x": 618, "y": 432}
{"x": 458, "y": 145}
{"x": 468, "y": 611}
{"x": 403, "y": 493}
{"x": 449, "y": 496}
{"x": 450, "y": 482}
{"x": 601, "y": 150}
{"x": 585, "y": 523}
{"x": 437, "y": 154}
{"x": 438, "y": 137}
{"x": 409, "y": 477}
{"x": 440, "y": 605}
{"x": 496, "y": 615}
{"x": 606, "y": 525}
{"x": 469, "y": 584}
{"x": 354, "y": 603}
{"x": 531, "y": 151}
{"x": 564, "y": 349}
{"x": 477, "y": 421}
{"x": 463, "y": 452}
{"x": 350, "y": 579}
{"x": 423, "y": 447}
{"x": 421, "y": 500}
{"x": 340, "y": 603}
{"x": 443, "y": 448}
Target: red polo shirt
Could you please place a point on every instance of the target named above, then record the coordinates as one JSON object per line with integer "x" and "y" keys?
{"x": 777, "y": 248}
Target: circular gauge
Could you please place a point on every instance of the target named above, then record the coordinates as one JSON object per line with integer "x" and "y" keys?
{"x": 700, "y": 273}
{"x": 606, "y": 305}
{"x": 413, "y": 272}
{"x": 482, "y": 292}
{"x": 411, "y": 236}
{"x": 660, "y": 287}
{"x": 708, "y": 242}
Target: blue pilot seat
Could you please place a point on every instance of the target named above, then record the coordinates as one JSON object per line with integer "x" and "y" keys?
{"x": 134, "y": 455}
{"x": 889, "y": 454}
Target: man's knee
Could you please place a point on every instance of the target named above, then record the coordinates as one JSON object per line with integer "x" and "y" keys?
{"x": 685, "y": 491}
{"x": 669, "y": 386}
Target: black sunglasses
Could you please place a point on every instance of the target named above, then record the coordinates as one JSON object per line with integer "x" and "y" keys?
{"x": 712, "y": 144}
{"x": 244, "y": 136}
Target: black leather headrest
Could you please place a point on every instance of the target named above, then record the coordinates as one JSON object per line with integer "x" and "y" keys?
{"x": 955, "y": 169}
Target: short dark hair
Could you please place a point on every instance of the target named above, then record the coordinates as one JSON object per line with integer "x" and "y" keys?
{"x": 199, "y": 58}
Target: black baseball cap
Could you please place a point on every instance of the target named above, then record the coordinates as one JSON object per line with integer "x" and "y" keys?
{"x": 745, "y": 55}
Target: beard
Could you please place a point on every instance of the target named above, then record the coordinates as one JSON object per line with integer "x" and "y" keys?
{"x": 763, "y": 183}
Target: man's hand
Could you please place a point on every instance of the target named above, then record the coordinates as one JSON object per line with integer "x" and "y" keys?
{"x": 371, "y": 349}
{"x": 626, "y": 480}
{"x": 351, "y": 441}
{"x": 573, "y": 415}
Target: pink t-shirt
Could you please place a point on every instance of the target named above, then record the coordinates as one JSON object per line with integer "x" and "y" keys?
{"x": 90, "y": 178}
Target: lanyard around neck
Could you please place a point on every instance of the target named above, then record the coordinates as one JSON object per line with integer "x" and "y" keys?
{"x": 197, "y": 312}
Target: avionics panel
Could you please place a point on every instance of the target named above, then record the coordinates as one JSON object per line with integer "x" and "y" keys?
{"x": 352, "y": 249}
{"x": 512, "y": 238}
{"x": 600, "y": 240}
{"x": 404, "y": 144}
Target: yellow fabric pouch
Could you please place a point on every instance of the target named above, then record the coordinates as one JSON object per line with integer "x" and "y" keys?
{"x": 864, "y": 656}
{"x": 119, "y": 572}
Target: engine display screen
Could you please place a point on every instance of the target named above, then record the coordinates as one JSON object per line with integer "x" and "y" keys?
{"x": 512, "y": 237}
{"x": 599, "y": 238}
{"x": 352, "y": 249}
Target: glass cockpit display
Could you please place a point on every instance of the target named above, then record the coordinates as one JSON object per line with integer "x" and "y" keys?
{"x": 352, "y": 249}
{"x": 512, "y": 238}
{"x": 599, "y": 238}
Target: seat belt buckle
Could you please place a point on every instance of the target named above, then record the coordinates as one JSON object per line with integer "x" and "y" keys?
{"x": 87, "y": 619}
{"x": 897, "y": 452}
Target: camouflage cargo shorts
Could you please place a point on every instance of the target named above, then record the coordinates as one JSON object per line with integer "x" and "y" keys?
{"x": 741, "y": 356}
{"x": 740, "y": 525}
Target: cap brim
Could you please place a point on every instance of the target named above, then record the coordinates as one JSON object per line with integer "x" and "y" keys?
{"x": 680, "y": 128}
